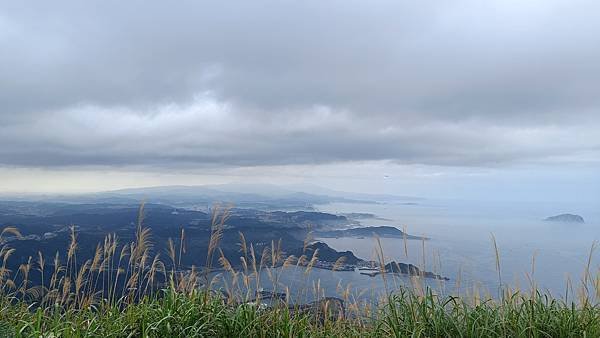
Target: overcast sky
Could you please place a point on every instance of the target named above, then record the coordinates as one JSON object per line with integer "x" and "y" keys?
{"x": 457, "y": 97}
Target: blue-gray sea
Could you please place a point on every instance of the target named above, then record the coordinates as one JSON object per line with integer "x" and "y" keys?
{"x": 531, "y": 251}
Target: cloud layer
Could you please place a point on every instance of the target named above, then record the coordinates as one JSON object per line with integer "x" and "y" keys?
{"x": 275, "y": 83}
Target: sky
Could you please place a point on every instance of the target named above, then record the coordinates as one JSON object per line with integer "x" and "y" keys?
{"x": 465, "y": 99}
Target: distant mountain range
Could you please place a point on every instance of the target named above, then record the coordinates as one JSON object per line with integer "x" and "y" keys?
{"x": 256, "y": 196}
{"x": 267, "y": 216}
{"x": 45, "y": 228}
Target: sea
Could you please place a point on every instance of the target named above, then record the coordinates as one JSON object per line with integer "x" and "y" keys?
{"x": 482, "y": 247}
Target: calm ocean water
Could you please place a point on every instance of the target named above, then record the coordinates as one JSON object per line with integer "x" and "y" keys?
{"x": 460, "y": 247}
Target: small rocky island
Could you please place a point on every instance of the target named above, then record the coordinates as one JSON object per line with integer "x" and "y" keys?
{"x": 565, "y": 218}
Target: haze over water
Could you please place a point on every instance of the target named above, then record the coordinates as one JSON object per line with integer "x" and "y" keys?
{"x": 460, "y": 241}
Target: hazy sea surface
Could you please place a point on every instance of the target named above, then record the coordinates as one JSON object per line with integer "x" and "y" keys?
{"x": 460, "y": 245}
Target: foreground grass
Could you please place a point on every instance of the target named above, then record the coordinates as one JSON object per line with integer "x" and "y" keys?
{"x": 205, "y": 315}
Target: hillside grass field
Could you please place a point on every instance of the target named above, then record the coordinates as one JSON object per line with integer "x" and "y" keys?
{"x": 176, "y": 314}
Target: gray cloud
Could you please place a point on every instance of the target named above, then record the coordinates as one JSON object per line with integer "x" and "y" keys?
{"x": 466, "y": 83}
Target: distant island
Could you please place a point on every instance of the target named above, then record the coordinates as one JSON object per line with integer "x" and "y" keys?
{"x": 381, "y": 231}
{"x": 565, "y": 218}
